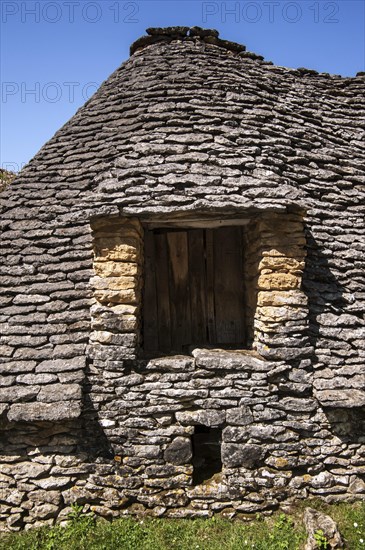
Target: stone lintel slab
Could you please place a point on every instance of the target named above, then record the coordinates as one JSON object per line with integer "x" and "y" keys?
{"x": 173, "y": 363}
{"x": 230, "y": 359}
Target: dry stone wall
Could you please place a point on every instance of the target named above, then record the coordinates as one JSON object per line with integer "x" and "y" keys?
{"x": 84, "y": 416}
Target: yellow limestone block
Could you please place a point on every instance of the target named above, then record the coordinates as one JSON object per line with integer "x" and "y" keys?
{"x": 278, "y": 281}
{"x": 114, "y": 283}
{"x": 128, "y": 250}
{"x": 281, "y": 462}
{"x": 115, "y": 269}
{"x": 129, "y": 296}
{"x": 124, "y": 309}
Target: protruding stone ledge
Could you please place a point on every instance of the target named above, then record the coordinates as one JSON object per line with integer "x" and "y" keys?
{"x": 341, "y": 398}
{"x": 230, "y": 360}
{"x": 44, "y": 412}
{"x": 172, "y": 363}
{"x": 296, "y": 404}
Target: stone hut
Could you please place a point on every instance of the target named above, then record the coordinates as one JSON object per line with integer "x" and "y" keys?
{"x": 183, "y": 292}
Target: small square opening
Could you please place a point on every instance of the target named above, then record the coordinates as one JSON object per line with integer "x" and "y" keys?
{"x": 207, "y": 461}
{"x": 194, "y": 289}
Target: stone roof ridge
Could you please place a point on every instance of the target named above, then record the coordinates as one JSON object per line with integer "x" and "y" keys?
{"x": 211, "y": 36}
{"x": 168, "y": 34}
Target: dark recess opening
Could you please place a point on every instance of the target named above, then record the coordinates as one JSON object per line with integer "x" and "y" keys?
{"x": 193, "y": 289}
{"x": 207, "y": 461}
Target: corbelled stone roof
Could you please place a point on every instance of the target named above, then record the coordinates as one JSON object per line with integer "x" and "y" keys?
{"x": 189, "y": 110}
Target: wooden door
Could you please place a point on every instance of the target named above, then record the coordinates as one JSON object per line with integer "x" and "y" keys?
{"x": 193, "y": 292}
{"x": 228, "y": 285}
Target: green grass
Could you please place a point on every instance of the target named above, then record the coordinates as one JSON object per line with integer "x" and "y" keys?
{"x": 351, "y": 522}
{"x": 279, "y": 532}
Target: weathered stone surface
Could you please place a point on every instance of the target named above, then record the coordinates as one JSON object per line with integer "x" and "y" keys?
{"x": 280, "y": 314}
{"x": 179, "y": 451}
{"x": 14, "y": 520}
{"x": 246, "y": 456}
{"x": 44, "y": 511}
{"x": 59, "y": 393}
{"x": 52, "y": 482}
{"x": 60, "y": 365}
{"x": 114, "y": 283}
{"x": 13, "y": 395}
{"x": 12, "y": 496}
{"x": 278, "y": 281}
{"x": 315, "y": 521}
{"x": 33, "y": 379}
{"x": 240, "y": 416}
{"x": 7, "y": 381}
{"x": 204, "y": 417}
{"x": 116, "y": 269}
{"x": 171, "y": 364}
{"x": 105, "y": 337}
{"x": 221, "y": 359}
{"x": 129, "y": 296}
{"x": 116, "y": 251}
{"x": 79, "y": 495}
{"x": 33, "y": 412}
{"x": 16, "y": 367}
{"x": 41, "y": 496}
{"x": 281, "y": 298}
{"x": 293, "y": 404}
{"x": 30, "y": 470}
{"x": 357, "y": 486}
{"x": 341, "y": 398}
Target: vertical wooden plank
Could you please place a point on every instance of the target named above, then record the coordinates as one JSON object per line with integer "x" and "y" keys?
{"x": 210, "y": 285}
{"x": 179, "y": 290}
{"x": 228, "y": 285}
{"x": 197, "y": 284}
{"x": 150, "y": 322}
{"x": 162, "y": 290}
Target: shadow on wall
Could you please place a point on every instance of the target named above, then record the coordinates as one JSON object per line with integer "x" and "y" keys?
{"x": 82, "y": 436}
{"x": 94, "y": 441}
{"x": 324, "y": 292}
{"x": 348, "y": 424}
{"x": 326, "y": 295}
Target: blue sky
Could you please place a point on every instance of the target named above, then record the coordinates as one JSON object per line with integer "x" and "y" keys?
{"x": 54, "y": 54}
